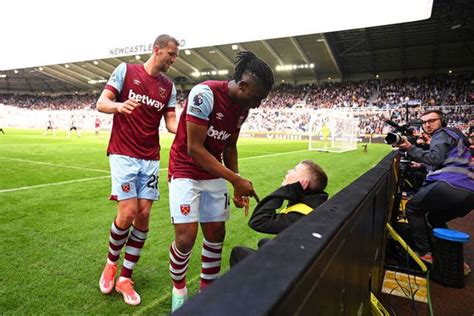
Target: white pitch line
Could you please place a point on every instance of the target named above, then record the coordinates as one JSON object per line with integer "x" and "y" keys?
{"x": 161, "y": 299}
{"x": 272, "y": 155}
{"x": 54, "y": 165}
{"x": 52, "y": 184}
{"x": 89, "y": 179}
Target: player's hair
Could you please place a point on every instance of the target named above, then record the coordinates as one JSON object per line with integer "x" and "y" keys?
{"x": 247, "y": 62}
{"x": 318, "y": 178}
{"x": 163, "y": 40}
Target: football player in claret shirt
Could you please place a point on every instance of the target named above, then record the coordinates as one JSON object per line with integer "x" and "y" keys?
{"x": 97, "y": 126}
{"x": 207, "y": 134}
{"x": 138, "y": 95}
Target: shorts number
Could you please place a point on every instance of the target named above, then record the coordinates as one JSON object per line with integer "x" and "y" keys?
{"x": 152, "y": 182}
{"x": 227, "y": 201}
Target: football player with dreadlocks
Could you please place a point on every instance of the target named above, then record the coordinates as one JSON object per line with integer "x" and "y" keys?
{"x": 202, "y": 158}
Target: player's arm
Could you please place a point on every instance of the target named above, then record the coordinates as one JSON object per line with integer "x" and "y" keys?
{"x": 107, "y": 104}
{"x": 107, "y": 100}
{"x": 196, "y": 137}
{"x": 171, "y": 121}
{"x": 196, "y": 150}
{"x": 170, "y": 113}
{"x": 230, "y": 154}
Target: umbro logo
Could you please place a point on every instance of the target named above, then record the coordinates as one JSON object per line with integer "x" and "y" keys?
{"x": 220, "y": 116}
{"x": 137, "y": 82}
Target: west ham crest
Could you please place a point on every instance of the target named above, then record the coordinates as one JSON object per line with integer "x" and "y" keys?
{"x": 162, "y": 92}
{"x": 126, "y": 187}
{"x": 185, "y": 209}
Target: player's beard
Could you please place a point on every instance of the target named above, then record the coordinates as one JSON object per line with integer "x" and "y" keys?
{"x": 164, "y": 67}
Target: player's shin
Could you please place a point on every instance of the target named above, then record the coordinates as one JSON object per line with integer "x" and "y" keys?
{"x": 179, "y": 262}
{"x": 211, "y": 262}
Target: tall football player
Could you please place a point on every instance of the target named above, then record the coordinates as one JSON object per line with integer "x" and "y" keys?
{"x": 207, "y": 134}
{"x": 138, "y": 95}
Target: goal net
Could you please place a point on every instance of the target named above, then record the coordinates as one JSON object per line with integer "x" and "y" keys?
{"x": 333, "y": 130}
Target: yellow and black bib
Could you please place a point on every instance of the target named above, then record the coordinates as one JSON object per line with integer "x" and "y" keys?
{"x": 298, "y": 208}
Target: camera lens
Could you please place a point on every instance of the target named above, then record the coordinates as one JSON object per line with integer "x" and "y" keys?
{"x": 393, "y": 139}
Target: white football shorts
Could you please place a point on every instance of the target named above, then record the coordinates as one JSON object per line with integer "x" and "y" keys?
{"x": 134, "y": 178}
{"x": 201, "y": 201}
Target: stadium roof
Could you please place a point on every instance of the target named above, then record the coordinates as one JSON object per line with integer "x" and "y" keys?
{"x": 445, "y": 41}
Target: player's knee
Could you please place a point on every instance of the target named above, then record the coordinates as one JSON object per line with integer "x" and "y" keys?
{"x": 185, "y": 242}
{"x": 126, "y": 216}
{"x": 143, "y": 215}
{"x": 124, "y": 220}
{"x": 219, "y": 234}
{"x": 214, "y": 233}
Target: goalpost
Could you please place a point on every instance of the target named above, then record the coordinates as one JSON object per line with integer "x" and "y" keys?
{"x": 333, "y": 130}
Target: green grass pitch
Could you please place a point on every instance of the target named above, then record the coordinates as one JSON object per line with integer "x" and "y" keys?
{"x": 55, "y": 218}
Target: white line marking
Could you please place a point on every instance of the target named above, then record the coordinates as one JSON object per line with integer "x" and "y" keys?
{"x": 52, "y": 184}
{"x": 89, "y": 179}
{"x": 164, "y": 297}
{"x": 255, "y": 151}
{"x": 272, "y": 155}
{"x": 54, "y": 165}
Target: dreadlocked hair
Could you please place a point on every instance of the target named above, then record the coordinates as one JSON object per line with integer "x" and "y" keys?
{"x": 247, "y": 62}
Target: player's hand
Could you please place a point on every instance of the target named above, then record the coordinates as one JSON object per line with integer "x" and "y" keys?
{"x": 127, "y": 106}
{"x": 415, "y": 165}
{"x": 243, "y": 190}
{"x": 242, "y": 202}
{"x": 243, "y": 187}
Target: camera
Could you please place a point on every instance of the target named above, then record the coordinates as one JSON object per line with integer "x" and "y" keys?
{"x": 396, "y": 137}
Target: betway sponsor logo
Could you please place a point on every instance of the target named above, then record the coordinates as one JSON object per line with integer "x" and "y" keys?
{"x": 219, "y": 135}
{"x": 144, "y": 99}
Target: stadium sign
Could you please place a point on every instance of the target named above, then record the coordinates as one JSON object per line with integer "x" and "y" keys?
{"x": 128, "y": 50}
{"x": 137, "y": 49}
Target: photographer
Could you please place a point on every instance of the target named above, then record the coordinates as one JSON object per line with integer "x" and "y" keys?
{"x": 448, "y": 190}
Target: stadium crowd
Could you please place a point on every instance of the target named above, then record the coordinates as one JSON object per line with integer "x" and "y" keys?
{"x": 340, "y": 94}
{"x": 45, "y": 102}
{"x": 288, "y": 108}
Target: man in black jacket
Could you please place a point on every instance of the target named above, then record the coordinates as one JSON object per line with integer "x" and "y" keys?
{"x": 303, "y": 188}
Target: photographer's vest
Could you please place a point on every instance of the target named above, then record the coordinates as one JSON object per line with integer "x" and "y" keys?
{"x": 457, "y": 169}
{"x": 298, "y": 208}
